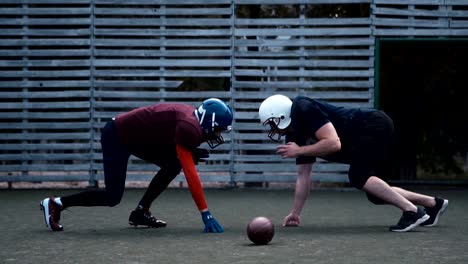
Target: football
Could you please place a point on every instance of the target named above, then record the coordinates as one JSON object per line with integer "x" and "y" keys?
{"x": 260, "y": 230}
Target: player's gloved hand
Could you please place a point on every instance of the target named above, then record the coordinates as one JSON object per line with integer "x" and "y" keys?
{"x": 211, "y": 225}
{"x": 200, "y": 154}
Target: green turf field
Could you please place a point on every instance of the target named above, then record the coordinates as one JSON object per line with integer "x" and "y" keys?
{"x": 337, "y": 227}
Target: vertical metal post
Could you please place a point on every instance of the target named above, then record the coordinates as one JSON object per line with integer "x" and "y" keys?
{"x": 232, "y": 181}
{"x": 25, "y": 90}
{"x": 163, "y": 48}
{"x": 93, "y": 181}
{"x": 374, "y": 91}
{"x": 301, "y": 48}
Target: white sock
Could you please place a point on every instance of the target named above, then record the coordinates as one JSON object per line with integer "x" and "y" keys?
{"x": 58, "y": 201}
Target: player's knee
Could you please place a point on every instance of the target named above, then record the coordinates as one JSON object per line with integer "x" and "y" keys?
{"x": 113, "y": 200}
{"x": 358, "y": 175}
{"x": 176, "y": 170}
{"x": 357, "y": 182}
{"x": 173, "y": 169}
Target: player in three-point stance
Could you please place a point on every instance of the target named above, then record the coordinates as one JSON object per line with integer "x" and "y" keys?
{"x": 359, "y": 137}
{"x": 166, "y": 134}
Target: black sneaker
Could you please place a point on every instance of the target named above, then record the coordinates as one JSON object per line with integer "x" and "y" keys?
{"x": 51, "y": 211}
{"x": 410, "y": 220}
{"x": 143, "y": 217}
{"x": 434, "y": 212}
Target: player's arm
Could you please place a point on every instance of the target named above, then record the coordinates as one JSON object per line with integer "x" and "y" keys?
{"x": 302, "y": 189}
{"x": 191, "y": 175}
{"x": 328, "y": 142}
{"x": 196, "y": 189}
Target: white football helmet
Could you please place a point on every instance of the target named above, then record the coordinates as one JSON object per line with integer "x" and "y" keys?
{"x": 276, "y": 112}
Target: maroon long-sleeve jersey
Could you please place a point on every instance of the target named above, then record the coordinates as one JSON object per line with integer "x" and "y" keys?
{"x": 152, "y": 132}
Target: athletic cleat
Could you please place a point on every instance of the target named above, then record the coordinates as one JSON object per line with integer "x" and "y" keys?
{"x": 434, "y": 212}
{"x": 410, "y": 220}
{"x": 143, "y": 217}
{"x": 51, "y": 212}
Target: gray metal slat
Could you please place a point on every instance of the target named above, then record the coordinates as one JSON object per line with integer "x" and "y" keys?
{"x": 45, "y": 157}
{"x": 162, "y": 32}
{"x": 46, "y": 11}
{"x": 162, "y": 42}
{"x": 45, "y": 21}
{"x": 192, "y": 22}
{"x": 46, "y": 136}
{"x": 168, "y": 11}
{"x": 47, "y": 2}
{"x": 304, "y": 73}
{"x": 43, "y": 105}
{"x": 162, "y": 2}
{"x": 161, "y": 63}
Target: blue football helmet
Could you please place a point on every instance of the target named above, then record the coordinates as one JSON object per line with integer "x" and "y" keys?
{"x": 215, "y": 117}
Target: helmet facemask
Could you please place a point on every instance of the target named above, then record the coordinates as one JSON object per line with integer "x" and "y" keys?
{"x": 275, "y": 133}
{"x": 214, "y": 137}
{"x": 275, "y": 111}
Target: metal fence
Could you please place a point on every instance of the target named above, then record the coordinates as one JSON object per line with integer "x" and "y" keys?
{"x": 66, "y": 67}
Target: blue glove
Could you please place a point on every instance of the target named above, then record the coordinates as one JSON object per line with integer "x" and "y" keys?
{"x": 211, "y": 225}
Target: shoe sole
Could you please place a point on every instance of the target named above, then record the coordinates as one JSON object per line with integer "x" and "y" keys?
{"x": 133, "y": 224}
{"x": 417, "y": 223}
{"x": 45, "y": 209}
{"x": 441, "y": 211}
{"x": 136, "y": 225}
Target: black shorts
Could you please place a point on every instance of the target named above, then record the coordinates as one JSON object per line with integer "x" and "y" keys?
{"x": 371, "y": 147}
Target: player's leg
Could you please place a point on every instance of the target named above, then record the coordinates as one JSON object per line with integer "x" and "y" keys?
{"x": 412, "y": 216}
{"x": 434, "y": 206}
{"x": 380, "y": 189}
{"x": 141, "y": 215}
{"x": 416, "y": 198}
{"x": 372, "y": 148}
{"x": 115, "y": 159}
{"x": 379, "y": 192}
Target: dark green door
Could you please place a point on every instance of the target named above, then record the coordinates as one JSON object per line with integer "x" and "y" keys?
{"x": 423, "y": 86}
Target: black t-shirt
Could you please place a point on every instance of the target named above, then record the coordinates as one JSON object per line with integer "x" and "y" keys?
{"x": 309, "y": 115}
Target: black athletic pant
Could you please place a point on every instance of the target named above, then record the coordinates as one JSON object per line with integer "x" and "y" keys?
{"x": 115, "y": 160}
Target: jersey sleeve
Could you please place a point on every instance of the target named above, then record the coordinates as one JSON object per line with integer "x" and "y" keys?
{"x": 191, "y": 175}
{"x": 310, "y": 117}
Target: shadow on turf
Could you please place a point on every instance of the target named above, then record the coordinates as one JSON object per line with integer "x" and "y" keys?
{"x": 283, "y": 234}
{"x": 193, "y": 232}
{"x": 125, "y": 232}
{"x": 342, "y": 229}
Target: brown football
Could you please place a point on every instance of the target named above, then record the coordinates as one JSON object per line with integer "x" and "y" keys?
{"x": 260, "y": 230}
